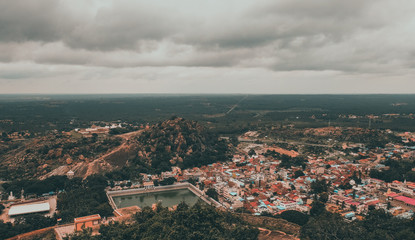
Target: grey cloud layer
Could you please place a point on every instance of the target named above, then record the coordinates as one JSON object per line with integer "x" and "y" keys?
{"x": 289, "y": 33}
{"x": 354, "y": 36}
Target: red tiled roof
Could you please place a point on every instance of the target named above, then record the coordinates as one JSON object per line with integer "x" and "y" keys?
{"x": 254, "y": 204}
{"x": 406, "y": 200}
{"x": 374, "y": 202}
{"x": 392, "y": 194}
{"x": 87, "y": 218}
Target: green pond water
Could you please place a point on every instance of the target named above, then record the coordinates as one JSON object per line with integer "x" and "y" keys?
{"x": 167, "y": 198}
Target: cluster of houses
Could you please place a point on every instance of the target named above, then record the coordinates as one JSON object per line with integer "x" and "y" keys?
{"x": 255, "y": 181}
{"x": 258, "y": 184}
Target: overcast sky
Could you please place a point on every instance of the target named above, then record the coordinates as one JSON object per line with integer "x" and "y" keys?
{"x": 215, "y": 46}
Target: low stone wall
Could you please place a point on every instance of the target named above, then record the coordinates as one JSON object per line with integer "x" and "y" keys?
{"x": 147, "y": 190}
{"x": 204, "y": 197}
{"x": 32, "y": 234}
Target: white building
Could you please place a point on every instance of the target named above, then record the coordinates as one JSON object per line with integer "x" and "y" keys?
{"x": 27, "y": 208}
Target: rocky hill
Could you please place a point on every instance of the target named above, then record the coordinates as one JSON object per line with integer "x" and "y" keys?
{"x": 179, "y": 142}
{"x": 33, "y": 158}
{"x": 175, "y": 142}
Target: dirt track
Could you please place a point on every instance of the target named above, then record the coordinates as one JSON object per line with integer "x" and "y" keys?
{"x": 102, "y": 162}
{"x": 105, "y": 162}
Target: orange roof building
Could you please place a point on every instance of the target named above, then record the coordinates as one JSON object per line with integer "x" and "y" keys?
{"x": 87, "y": 222}
{"x": 279, "y": 150}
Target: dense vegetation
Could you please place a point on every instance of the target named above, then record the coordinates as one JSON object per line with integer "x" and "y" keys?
{"x": 295, "y": 217}
{"x": 211, "y": 192}
{"x": 291, "y": 216}
{"x": 36, "y": 187}
{"x": 76, "y": 197}
{"x": 398, "y": 170}
{"x": 66, "y": 112}
{"x": 40, "y": 155}
{"x": 371, "y": 138}
{"x": 84, "y": 198}
{"x": 25, "y": 224}
{"x": 178, "y": 142}
{"x": 287, "y": 161}
{"x": 174, "y": 142}
{"x": 377, "y": 225}
{"x": 198, "y": 222}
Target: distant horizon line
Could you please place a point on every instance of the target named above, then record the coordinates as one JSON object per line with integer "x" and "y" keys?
{"x": 63, "y": 94}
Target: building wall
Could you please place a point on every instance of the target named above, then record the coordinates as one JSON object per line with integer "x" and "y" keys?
{"x": 88, "y": 224}
{"x": 397, "y": 203}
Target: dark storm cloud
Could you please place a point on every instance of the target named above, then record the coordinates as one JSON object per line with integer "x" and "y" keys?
{"x": 350, "y": 37}
{"x": 32, "y": 21}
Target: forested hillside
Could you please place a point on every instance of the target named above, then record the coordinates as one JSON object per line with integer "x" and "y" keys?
{"x": 174, "y": 142}
{"x": 180, "y": 142}
{"x": 35, "y": 157}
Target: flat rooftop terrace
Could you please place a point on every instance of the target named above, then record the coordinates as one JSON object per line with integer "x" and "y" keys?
{"x": 26, "y": 208}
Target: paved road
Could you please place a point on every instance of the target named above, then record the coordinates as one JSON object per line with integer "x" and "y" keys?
{"x": 234, "y": 106}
